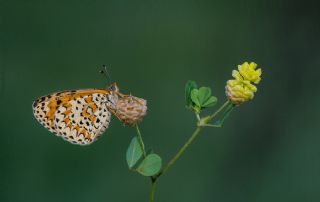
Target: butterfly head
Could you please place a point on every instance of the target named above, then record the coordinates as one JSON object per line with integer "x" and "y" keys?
{"x": 114, "y": 88}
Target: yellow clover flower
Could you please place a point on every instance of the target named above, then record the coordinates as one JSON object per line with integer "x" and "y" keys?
{"x": 240, "y": 89}
{"x": 248, "y": 72}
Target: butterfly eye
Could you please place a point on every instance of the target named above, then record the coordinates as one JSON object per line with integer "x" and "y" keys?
{"x": 112, "y": 87}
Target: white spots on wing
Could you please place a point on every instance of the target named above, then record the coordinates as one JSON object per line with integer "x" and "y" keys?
{"x": 40, "y": 110}
{"x": 70, "y": 122}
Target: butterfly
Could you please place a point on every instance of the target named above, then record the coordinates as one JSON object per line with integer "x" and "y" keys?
{"x": 82, "y": 116}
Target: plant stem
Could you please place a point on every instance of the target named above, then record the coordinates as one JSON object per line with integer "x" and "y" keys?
{"x": 181, "y": 150}
{"x": 153, "y": 180}
{"x": 140, "y": 140}
{"x": 172, "y": 161}
{"x": 198, "y": 116}
{"x": 152, "y": 191}
{"x": 219, "y": 110}
{"x": 195, "y": 133}
{"x": 191, "y": 139}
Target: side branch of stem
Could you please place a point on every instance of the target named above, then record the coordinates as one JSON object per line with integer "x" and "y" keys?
{"x": 140, "y": 140}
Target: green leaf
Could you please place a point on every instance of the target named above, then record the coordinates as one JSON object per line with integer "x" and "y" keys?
{"x": 210, "y": 102}
{"x": 202, "y": 98}
{"x": 194, "y": 97}
{"x": 203, "y": 95}
{"x": 134, "y": 152}
{"x": 190, "y": 85}
{"x": 150, "y": 166}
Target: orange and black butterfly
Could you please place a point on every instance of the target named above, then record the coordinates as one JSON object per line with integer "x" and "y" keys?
{"x": 82, "y": 116}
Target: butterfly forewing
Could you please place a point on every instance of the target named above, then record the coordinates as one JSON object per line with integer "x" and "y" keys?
{"x": 79, "y": 117}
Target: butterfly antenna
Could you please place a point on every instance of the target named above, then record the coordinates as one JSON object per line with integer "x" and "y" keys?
{"x": 106, "y": 74}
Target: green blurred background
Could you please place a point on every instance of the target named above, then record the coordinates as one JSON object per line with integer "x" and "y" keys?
{"x": 268, "y": 150}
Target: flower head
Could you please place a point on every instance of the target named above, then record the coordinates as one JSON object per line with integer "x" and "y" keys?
{"x": 247, "y": 72}
{"x": 130, "y": 109}
{"x": 242, "y": 88}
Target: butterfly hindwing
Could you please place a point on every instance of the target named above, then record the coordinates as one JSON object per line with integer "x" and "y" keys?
{"x": 79, "y": 117}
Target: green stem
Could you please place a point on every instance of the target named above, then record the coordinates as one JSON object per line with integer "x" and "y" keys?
{"x": 140, "y": 140}
{"x": 152, "y": 191}
{"x": 219, "y": 110}
{"x": 172, "y": 161}
{"x": 191, "y": 139}
{"x": 203, "y": 122}
{"x": 198, "y": 116}
{"x": 212, "y": 125}
{"x": 181, "y": 151}
{"x": 153, "y": 180}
